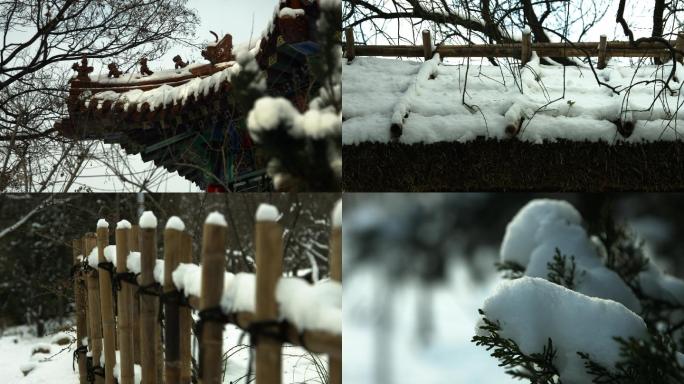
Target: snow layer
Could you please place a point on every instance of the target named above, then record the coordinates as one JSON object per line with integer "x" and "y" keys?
{"x": 520, "y": 238}
{"x": 15, "y": 352}
{"x": 541, "y": 227}
{"x": 379, "y": 92}
{"x": 92, "y": 258}
{"x": 216, "y": 218}
{"x": 133, "y": 262}
{"x": 322, "y": 309}
{"x": 240, "y": 294}
{"x": 531, "y": 310}
{"x": 270, "y": 113}
{"x": 102, "y": 223}
{"x": 166, "y": 95}
{"x": 110, "y": 254}
{"x": 289, "y": 12}
{"x": 176, "y": 223}
{"x": 267, "y": 212}
{"x": 132, "y": 78}
{"x": 137, "y": 369}
{"x": 148, "y": 220}
{"x": 188, "y": 279}
{"x": 337, "y": 214}
{"x": 123, "y": 224}
{"x": 159, "y": 271}
{"x": 657, "y": 284}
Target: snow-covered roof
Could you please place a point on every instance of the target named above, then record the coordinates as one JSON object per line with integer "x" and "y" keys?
{"x": 426, "y": 101}
{"x": 168, "y": 95}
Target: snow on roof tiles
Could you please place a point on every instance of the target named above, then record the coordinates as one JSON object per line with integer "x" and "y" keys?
{"x": 380, "y": 92}
{"x": 166, "y": 94}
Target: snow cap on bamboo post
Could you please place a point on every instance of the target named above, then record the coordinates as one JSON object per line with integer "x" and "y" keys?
{"x": 267, "y": 212}
{"x": 176, "y": 223}
{"x": 337, "y": 214}
{"x": 216, "y": 218}
{"x": 123, "y": 224}
{"x": 148, "y": 220}
{"x": 102, "y": 223}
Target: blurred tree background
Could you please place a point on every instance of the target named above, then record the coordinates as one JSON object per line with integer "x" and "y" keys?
{"x": 477, "y": 221}
{"x": 36, "y": 231}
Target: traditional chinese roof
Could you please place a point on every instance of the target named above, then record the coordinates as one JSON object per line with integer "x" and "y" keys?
{"x": 180, "y": 117}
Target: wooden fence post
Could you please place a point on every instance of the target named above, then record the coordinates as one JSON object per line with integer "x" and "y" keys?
{"x": 84, "y": 277}
{"x": 94, "y": 308}
{"x": 351, "y": 52}
{"x": 134, "y": 246}
{"x": 79, "y": 298}
{"x": 269, "y": 268}
{"x": 185, "y": 320}
{"x": 106, "y": 304}
{"x": 526, "y": 48}
{"x": 602, "y": 58}
{"x": 148, "y": 315}
{"x": 172, "y": 249}
{"x": 679, "y": 46}
{"x": 213, "y": 269}
{"x": 125, "y": 305}
{"x": 335, "y": 267}
{"x": 427, "y": 45}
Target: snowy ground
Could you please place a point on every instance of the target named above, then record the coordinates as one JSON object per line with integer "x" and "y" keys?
{"x": 55, "y": 367}
{"x": 555, "y": 102}
{"x": 447, "y": 358}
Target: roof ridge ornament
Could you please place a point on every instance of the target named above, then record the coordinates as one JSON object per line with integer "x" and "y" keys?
{"x": 113, "y": 71}
{"x": 144, "y": 69}
{"x": 179, "y": 62}
{"x": 83, "y": 70}
{"x": 221, "y": 51}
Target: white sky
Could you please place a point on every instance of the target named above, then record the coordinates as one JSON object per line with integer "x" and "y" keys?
{"x": 240, "y": 18}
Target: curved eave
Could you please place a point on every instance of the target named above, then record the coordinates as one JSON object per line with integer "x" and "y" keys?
{"x": 90, "y": 118}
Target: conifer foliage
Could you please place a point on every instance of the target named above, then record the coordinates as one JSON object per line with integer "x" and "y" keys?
{"x": 655, "y": 358}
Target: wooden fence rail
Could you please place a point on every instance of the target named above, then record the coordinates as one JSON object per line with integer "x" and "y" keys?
{"x": 603, "y": 49}
{"x": 104, "y": 329}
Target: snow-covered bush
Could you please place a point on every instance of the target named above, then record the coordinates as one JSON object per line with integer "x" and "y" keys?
{"x": 581, "y": 308}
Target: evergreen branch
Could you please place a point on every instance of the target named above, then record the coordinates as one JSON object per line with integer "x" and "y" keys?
{"x": 559, "y": 273}
{"x": 538, "y": 368}
{"x": 651, "y": 361}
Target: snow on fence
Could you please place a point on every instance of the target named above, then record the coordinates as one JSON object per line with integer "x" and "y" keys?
{"x": 603, "y": 49}
{"x": 120, "y": 291}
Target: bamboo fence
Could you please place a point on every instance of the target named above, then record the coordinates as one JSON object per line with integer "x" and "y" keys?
{"x": 602, "y": 49}
{"x": 132, "y": 327}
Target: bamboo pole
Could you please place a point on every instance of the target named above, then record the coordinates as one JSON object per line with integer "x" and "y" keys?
{"x": 427, "y": 45}
{"x": 213, "y": 268}
{"x": 134, "y": 246}
{"x": 79, "y": 298}
{"x": 84, "y": 279}
{"x": 148, "y": 314}
{"x": 94, "y": 307}
{"x": 125, "y": 305}
{"x": 335, "y": 266}
{"x": 185, "y": 320}
{"x": 172, "y": 250}
{"x": 581, "y": 49}
{"x": 602, "y": 58}
{"x": 269, "y": 268}
{"x": 349, "y": 35}
{"x": 106, "y": 304}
